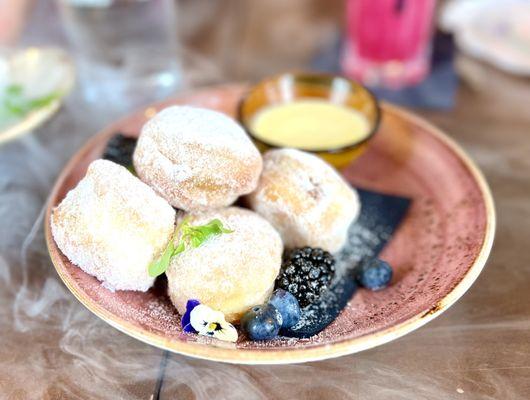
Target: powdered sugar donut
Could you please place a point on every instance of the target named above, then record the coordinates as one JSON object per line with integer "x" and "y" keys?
{"x": 305, "y": 199}
{"x": 112, "y": 225}
{"x": 231, "y": 272}
{"x": 197, "y": 159}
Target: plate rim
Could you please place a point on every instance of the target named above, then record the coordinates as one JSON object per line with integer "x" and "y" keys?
{"x": 290, "y": 355}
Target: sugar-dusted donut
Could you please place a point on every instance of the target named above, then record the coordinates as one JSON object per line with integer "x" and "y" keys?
{"x": 112, "y": 225}
{"x": 305, "y": 199}
{"x": 231, "y": 272}
{"x": 197, "y": 159}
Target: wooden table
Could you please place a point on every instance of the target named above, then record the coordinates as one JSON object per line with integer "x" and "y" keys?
{"x": 53, "y": 348}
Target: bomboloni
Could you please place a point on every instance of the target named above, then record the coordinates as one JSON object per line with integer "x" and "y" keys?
{"x": 305, "y": 199}
{"x": 112, "y": 225}
{"x": 197, "y": 159}
{"x": 231, "y": 272}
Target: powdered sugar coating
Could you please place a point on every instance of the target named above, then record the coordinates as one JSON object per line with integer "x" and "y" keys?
{"x": 197, "y": 159}
{"x": 231, "y": 272}
{"x": 305, "y": 199}
{"x": 112, "y": 225}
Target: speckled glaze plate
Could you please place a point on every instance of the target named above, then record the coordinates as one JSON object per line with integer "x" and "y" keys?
{"x": 438, "y": 251}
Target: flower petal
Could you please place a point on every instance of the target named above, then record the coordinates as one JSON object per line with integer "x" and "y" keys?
{"x": 212, "y": 323}
{"x": 228, "y": 333}
{"x": 201, "y": 316}
{"x": 185, "y": 321}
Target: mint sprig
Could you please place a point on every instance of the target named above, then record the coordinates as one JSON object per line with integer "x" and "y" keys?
{"x": 15, "y": 104}
{"x": 190, "y": 236}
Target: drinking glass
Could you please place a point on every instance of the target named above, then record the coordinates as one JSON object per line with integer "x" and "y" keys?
{"x": 126, "y": 50}
{"x": 388, "y": 41}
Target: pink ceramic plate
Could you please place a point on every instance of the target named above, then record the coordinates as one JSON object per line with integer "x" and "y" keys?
{"x": 437, "y": 253}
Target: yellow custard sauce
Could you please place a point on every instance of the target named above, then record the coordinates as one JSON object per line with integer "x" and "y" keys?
{"x": 310, "y": 124}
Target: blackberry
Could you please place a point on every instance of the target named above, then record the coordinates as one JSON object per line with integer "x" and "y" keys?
{"x": 120, "y": 149}
{"x": 306, "y": 273}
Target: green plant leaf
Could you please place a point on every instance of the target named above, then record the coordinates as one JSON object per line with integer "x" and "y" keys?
{"x": 14, "y": 90}
{"x": 192, "y": 236}
{"x": 218, "y": 225}
{"x": 159, "y": 266}
{"x": 180, "y": 248}
{"x": 14, "y": 104}
{"x": 43, "y": 101}
{"x": 195, "y": 241}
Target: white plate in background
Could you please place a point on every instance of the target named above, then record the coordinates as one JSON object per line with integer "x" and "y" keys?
{"x": 494, "y": 31}
{"x": 39, "y": 72}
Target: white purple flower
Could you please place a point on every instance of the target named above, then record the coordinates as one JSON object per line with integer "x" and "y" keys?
{"x": 201, "y": 319}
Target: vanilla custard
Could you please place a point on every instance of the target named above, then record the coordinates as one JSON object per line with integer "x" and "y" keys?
{"x": 310, "y": 124}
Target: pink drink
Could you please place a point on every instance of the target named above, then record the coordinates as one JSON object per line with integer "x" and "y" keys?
{"x": 387, "y": 41}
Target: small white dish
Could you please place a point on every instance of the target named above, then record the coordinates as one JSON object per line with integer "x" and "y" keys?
{"x": 38, "y": 72}
{"x": 493, "y": 31}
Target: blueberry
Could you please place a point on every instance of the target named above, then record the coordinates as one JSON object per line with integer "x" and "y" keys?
{"x": 374, "y": 274}
{"x": 262, "y": 322}
{"x": 288, "y": 307}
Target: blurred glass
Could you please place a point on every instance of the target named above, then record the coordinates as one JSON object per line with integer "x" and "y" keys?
{"x": 388, "y": 41}
{"x": 126, "y": 50}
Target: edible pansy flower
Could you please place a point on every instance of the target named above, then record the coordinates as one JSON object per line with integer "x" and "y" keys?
{"x": 185, "y": 321}
{"x": 201, "y": 319}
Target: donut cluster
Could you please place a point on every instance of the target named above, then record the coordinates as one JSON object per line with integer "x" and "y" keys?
{"x": 192, "y": 165}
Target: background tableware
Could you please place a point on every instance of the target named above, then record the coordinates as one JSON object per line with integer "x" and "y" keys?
{"x": 38, "y": 73}
{"x": 388, "y": 41}
{"x": 492, "y": 31}
{"x": 293, "y": 86}
{"x": 438, "y": 252}
{"x": 113, "y": 39}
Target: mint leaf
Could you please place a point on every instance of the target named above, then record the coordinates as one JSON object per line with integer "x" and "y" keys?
{"x": 43, "y": 101}
{"x": 196, "y": 241}
{"x": 193, "y": 236}
{"x": 159, "y": 266}
{"x": 218, "y": 225}
{"x": 14, "y": 90}
{"x": 180, "y": 248}
{"x": 14, "y": 102}
{"x": 197, "y": 235}
{"x": 15, "y": 109}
